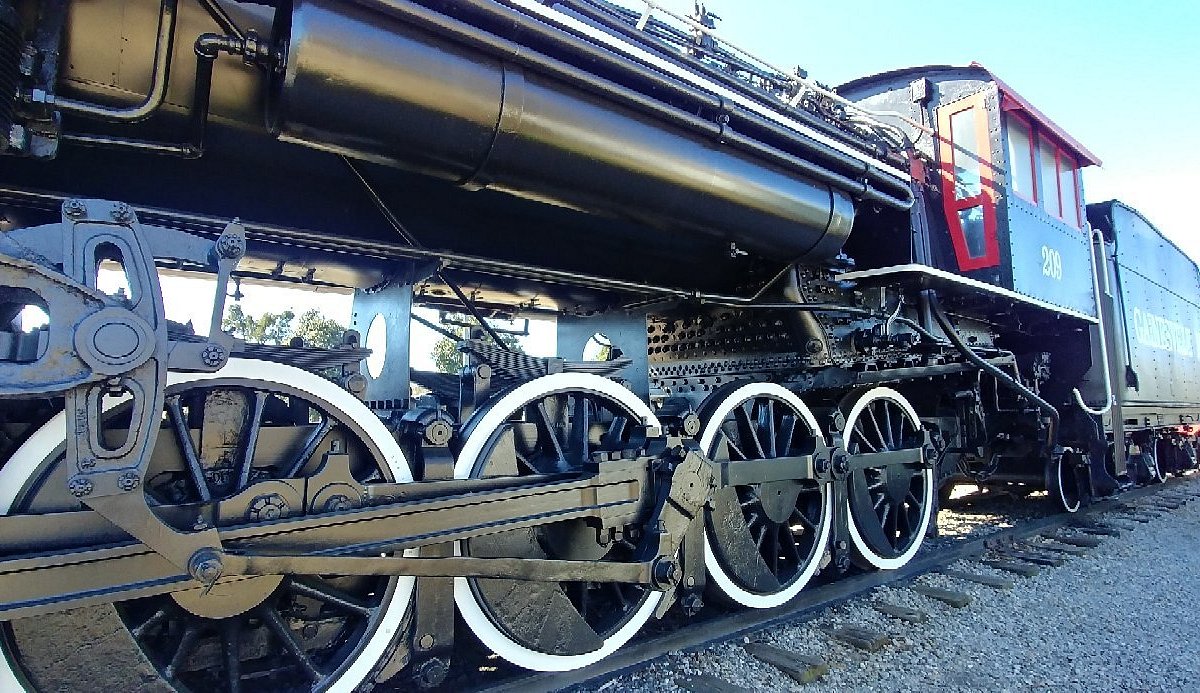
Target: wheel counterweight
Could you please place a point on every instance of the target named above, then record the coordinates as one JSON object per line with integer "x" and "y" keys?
{"x": 763, "y": 542}
{"x": 249, "y": 422}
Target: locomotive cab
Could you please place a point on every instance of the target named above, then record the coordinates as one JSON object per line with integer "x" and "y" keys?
{"x": 1003, "y": 196}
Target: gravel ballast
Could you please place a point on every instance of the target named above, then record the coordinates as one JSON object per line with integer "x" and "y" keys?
{"x": 1118, "y": 618}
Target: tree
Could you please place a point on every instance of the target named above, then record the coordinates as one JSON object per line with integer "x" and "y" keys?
{"x": 446, "y": 356}
{"x": 316, "y": 330}
{"x": 313, "y": 329}
{"x": 271, "y": 328}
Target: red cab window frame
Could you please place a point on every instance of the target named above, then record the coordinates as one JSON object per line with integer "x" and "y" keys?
{"x": 1066, "y": 159}
{"x": 952, "y": 204}
{"x": 1032, "y": 133}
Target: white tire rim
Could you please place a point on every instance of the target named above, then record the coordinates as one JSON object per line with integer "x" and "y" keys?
{"x": 716, "y": 571}
{"x": 464, "y": 597}
{"x": 48, "y": 440}
{"x": 856, "y": 541}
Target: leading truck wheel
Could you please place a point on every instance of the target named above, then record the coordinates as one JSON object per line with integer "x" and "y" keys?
{"x": 890, "y": 505}
{"x": 763, "y": 542}
{"x": 251, "y": 421}
{"x": 549, "y": 425}
{"x": 1064, "y": 485}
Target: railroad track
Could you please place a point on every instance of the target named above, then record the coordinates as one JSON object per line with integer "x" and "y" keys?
{"x": 1022, "y": 549}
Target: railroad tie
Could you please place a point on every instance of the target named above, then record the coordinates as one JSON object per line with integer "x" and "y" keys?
{"x": 1165, "y": 503}
{"x": 903, "y": 613}
{"x": 703, "y": 683}
{"x": 1136, "y": 516}
{"x": 1077, "y": 540}
{"x": 1053, "y": 561}
{"x": 803, "y": 668}
{"x": 1097, "y": 528}
{"x": 993, "y": 581}
{"x": 1063, "y": 548}
{"x": 1118, "y": 524}
{"x": 955, "y": 599}
{"x": 1022, "y": 569}
{"x": 860, "y": 637}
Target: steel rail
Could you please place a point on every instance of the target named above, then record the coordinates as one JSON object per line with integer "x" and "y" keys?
{"x": 809, "y": 603}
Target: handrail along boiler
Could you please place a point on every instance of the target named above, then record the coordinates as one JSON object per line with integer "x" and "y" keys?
{"x": 820, "y": 309}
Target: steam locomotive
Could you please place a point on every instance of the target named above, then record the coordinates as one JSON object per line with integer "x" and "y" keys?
{"x": 820, "y": 310}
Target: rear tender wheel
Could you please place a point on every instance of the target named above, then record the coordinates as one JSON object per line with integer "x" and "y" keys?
{"x": 763, "y": 542}
{"x": 891, "y": 504}
{"x": 249, "y": 422}
{"x": 550, "y": 425}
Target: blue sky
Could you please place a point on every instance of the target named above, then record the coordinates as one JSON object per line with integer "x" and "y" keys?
{"x": 1123, "y": 77}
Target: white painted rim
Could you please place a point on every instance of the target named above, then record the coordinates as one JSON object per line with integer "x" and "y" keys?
{"x": 464, "y": 597}
{"x": 47, "y": 440}
{"x": 856, "y": 541}
{"x": 716, "y": 571}
{"x": 1062, "y": 494}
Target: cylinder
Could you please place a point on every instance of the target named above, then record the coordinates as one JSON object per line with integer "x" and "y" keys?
{"x": 370, "y": 86}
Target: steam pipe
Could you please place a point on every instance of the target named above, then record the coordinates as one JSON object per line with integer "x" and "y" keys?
{"x": 207, "y": 47}
{"x": 1001, "y": 377}
{"x": 158, "y": 80}
{"x": 222, "y": 18}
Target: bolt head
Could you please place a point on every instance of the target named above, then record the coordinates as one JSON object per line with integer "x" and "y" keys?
{"x": 338, "y": 503}
{"x": 213, "y": 355}
{"x": 128, "y": 481}
{"x": 74, "y": 208}
{"x": 230, "y": 246}
{"x": 121, "y": 212}
{"x": 80, "y": 487}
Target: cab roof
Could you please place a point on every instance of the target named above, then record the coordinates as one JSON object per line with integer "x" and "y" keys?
{"x": 1010, "y": 100}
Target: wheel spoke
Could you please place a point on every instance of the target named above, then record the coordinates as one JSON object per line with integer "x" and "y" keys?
{"x": 156, "y": 618}
{"x": 733, "y": 447}
{"x": 186, "y": 642}
{"x": 787, "y": 430}
{"x": 862, "y": 437}
{"x": 251, "y": 444}
{"x": 746, "y": 428}
{"x": 775, "y": 548}
{"x": 310, "y": 446}
{"x": 790, "y": 540}
{"x": 797, "y": 515}
{"x": 887, "y": 425}
{"x": 580, "y": 423}
{"x": 184, "y": 438}
{"x": 615, "y": 433}
{"x": 231, "y": 643}
{"x": 559, "y": 457}
{"x": 288, "y": 639}
{"x": 330, "y": 595}
{"x": 766, "y": 427}
{"x": 875, "y": 423}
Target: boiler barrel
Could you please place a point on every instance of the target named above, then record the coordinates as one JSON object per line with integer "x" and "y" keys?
{"x": 370, "y": 86}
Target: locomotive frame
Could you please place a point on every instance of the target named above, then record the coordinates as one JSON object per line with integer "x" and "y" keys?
{"x": 233, "y": 511}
